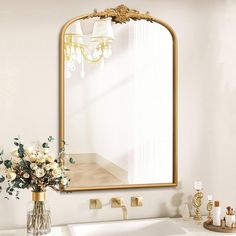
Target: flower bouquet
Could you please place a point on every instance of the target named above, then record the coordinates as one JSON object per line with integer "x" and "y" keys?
{"x": 35, "y": 169}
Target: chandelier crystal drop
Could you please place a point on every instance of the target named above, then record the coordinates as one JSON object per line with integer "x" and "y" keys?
{"x": 93, "y": 49}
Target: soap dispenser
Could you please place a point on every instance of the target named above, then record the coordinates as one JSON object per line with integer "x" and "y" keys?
{"x": 217, "y": 214}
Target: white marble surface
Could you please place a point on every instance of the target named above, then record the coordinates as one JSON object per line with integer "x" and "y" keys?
{"x": 56, "y": 231}
{"x": 157, "y": 227}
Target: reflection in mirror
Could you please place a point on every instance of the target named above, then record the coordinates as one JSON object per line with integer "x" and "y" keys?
{"x": 91, "y": 48}
{"x": 118, "y": 110}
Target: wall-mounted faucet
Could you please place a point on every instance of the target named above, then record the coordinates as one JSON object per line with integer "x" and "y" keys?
{"x": 136, "y": 201}
{"x": 119, "y": 203}
{"x": 95, "y": 203}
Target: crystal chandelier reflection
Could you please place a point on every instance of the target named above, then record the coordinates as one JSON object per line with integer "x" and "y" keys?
{"x": 93, "y": 49}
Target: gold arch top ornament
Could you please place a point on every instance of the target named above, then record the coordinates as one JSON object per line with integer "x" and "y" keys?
{"x": 121, "y": 15}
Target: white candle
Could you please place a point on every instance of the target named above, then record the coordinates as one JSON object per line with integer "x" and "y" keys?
{"x": 198, "y": 185}
{"x": 209, "y": 197}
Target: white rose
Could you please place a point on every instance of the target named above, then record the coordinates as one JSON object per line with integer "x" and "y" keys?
{"x": 32, "y": 158}
{"x": 39, "y": 155}
{"x": 16, "y": 161}
{"x": 26, "y": 175}
{"x": 50, "y": 159}
{"x": 64, "y": 181}
{"x": 41, "y": 160}
{"x": 29, "y": 150}
{"x": 56, "y": 173}
{"x": 14, "y": 152}
{"x": 33, "y": 166}
{"x": 46, "y": 150}
{"x": 39, "y": 173}
{"x": 54, "y": 165}
{"x": 11, "y": 176}
{"x": 47, "y": 167}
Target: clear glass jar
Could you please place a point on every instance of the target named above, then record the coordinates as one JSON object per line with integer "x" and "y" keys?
{"x": 38, "y": 218}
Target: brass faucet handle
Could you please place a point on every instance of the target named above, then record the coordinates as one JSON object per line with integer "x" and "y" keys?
{"x": 117, "y": 202}
{"x": 136, "y": 201}
{"x": 95, "y": 204}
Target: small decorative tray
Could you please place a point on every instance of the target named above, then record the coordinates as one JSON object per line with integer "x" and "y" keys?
{"x": 214, "y": 228}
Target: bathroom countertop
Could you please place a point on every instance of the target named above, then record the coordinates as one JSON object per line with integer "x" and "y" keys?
{"x": 56, "y": 231}
{"x": 191, "y": 227}
{"x": 188, "y": 228}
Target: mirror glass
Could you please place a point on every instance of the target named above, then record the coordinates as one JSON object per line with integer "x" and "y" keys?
{"x": 118, "y": 107}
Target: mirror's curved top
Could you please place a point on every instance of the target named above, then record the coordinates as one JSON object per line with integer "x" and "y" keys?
{"x": 120, "y": 15}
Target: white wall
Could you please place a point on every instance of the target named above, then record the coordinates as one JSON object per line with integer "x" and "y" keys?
{"x": 207, "y": 110}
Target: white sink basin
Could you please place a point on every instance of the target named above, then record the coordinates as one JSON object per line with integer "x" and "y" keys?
{"x": 147, "y": 227}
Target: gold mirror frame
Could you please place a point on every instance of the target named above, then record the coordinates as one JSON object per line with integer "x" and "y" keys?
{"x": 121, "y": 14}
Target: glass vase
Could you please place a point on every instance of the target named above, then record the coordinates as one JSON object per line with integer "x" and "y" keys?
{"x": 38, "y": 215}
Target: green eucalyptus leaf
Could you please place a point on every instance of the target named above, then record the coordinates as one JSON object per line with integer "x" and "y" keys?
{"x": 2, "y": 179}
{"x": 19, "y": 184}
{"x": 71, "y": 160}
{"x": 45, "y": 145}
{"x": 22, "y": 164}
{"x": 50, "y": 139}
{"x": 8, "y": 164}
{"x": 21, "y": 150}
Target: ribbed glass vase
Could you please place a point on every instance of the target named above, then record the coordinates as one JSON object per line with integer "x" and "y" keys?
{"x": 38, "y": 215}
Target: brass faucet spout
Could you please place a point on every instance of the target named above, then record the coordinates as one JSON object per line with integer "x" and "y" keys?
{"x": 119, "y": 203}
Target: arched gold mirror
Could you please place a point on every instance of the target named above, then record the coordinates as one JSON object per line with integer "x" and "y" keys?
{"x": 118, "y": 100}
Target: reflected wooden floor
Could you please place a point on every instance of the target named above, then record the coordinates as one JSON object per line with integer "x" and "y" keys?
{"x": 90, "y": 174}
